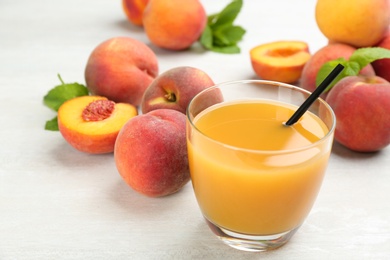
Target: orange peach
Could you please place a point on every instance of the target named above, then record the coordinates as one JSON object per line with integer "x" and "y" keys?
{"x": 121, "y": 69}
{"x": 327, "y": 53}
{"x": 174, "y": 24}
{"x": 360, "y": 23}
{"x": 281, "y": 61}
{"x": 175, "y": 88}
{"x": 151, "y": 153}
{"x": 91, "y": 123}
{"x": 134, "y": 10}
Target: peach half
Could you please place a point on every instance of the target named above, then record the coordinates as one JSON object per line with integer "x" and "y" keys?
{"x": 91, "y": 123}
{"x": 281, "y": 61}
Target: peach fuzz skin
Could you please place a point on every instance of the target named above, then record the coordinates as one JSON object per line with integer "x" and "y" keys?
{"x": 362, "y": 109}
{"x": 281, "y": 61}
{"x": 327, "y": 53}
{"x": 360, "y": 23}
{"x": 121, "y": 69}
{"x": 382, "y": 66}
{"x": 94, "y": 137}
{"x": 174, "y": 24}
{"x": 134, "y": 10}
{"x": 151, "y": 153}
{"x": 175, "y": 88}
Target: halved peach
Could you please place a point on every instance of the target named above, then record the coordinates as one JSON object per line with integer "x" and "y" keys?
{"x": 91, "y": 123}
{"x": 281, "y": 61}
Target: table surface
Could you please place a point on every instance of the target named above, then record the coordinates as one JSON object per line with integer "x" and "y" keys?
{"x": 58, "y": 203}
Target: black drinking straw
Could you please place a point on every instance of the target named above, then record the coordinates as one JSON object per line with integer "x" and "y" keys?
{"x": 316, "y": 93}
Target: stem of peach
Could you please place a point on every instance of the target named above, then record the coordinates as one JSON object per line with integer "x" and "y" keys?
{"x": 171, "y": 97}
{"x": 59, "y": 76}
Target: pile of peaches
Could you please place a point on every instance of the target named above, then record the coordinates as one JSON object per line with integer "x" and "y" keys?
{"x": 357, "y": 30}
{"x": 122, "y": 78}
{"x": 149, "y": 148}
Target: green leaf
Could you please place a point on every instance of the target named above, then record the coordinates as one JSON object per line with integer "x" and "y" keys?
{"x": 351, "y": 68}
{"x": 228, "y": 35}
{"x": 327, "y": 68}
{"x": 231, "y": 49}
{"x": 220, "y": 35}
{"x": 211, "y": 18}
{"x": 227, "y": 15}
{"x": 61, "y": 93}
{"x": 52, "y": 124}
{"x": 365, "y": 56}
{"x": 206, "y": 38}
{"x": 58, "y": 95}
{"x": 358, "y": 60}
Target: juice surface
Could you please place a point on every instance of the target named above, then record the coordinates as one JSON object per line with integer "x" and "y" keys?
{"x": 259, "y": 126}
{"x": 256, "y": 190}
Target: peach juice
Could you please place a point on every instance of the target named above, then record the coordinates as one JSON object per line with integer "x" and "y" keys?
{"x": 251, "y": 174}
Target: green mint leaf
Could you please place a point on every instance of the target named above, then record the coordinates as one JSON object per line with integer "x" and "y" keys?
{"x": 219, "y": 39}
{"x": 231, "y": 49}
{"x": 358, "y": 60}
{"x": 351, "y": 68}
{"x": 58, "y": 95}
{"x": 326, "y": 69}
{"x": 211, "y": 18}
{"x": 365, "y": 56}
{"x": 220, "y": 35}
{"x": 206, "y": 39}
{"x": 52, "y": 125}
{"x": 228, "y": 35}
{"x": 227, "y": 15}
{"x": 61, "y": 93}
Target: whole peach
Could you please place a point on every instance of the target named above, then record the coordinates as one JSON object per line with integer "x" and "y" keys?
{"x": 134, "y": 10}
{"x": 362, "y": 109}
{"x": 120, "y": 69}
{"x": 174, "y": 24}
{"x": 360, "y": 23}
{"x": 382, "y": 67}
{"x": 175, "y": 88}
{"x": 327, "y": 53}
{"x": 151, "y": 153}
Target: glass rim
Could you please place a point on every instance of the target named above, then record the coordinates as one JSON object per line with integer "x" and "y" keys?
{"x": 258, "y": 151}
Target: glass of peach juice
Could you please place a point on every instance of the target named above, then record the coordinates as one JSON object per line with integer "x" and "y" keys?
{"x": 256, "y": 179}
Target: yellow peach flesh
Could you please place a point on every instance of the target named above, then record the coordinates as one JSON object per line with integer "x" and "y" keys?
{"x": 92, "y": 136}
{"x": 280, "y": 61}
{"x": 281, "y": 54}
{"x": 74, "y": 121}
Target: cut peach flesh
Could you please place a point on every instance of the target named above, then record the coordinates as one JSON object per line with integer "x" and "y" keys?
{"x": 280, "y": 61}
{"x": 72, "y": 117}
{"x": 283, "y": 54}
{"x": 94, "y": 137}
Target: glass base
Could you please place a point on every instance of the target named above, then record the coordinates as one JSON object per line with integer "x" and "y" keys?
{"x": 249, "y": 242}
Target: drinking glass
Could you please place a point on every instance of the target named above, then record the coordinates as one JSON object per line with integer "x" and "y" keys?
{"x": 255, "y": 199}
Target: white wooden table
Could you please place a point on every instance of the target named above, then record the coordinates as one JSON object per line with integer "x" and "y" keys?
{"x": 57, "y": 203}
